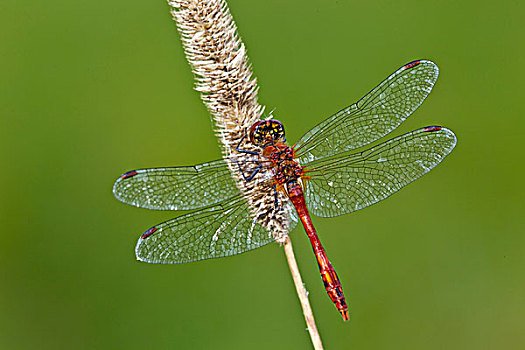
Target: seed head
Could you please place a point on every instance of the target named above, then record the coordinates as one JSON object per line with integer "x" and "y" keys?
{"x": 225, "y": 80}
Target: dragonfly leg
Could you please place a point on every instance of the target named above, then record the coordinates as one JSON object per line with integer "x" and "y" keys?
{"x": 243, "y": 150}
{"x": 252, "y": 175}
{"x": 276, "y": 197}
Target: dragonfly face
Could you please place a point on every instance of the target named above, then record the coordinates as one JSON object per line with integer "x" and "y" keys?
{"x": 267, "y": 132}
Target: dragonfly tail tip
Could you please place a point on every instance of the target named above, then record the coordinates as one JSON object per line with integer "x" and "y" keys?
{"x": 345, "y": 314}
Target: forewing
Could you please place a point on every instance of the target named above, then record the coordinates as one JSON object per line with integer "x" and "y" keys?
{"x": 222, "y": 230}
{"x": 178, "y": 188}
{"x": 347, "y": 183}
{"x": 376, "y": 114}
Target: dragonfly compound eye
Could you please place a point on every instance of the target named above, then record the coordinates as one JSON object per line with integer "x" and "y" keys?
{"x": 267, "y": 131}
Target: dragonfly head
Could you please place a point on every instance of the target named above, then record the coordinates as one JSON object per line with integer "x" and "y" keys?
{"x": 267, "y": 132}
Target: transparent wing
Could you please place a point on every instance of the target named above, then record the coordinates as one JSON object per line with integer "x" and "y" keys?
{"x": 178, "y": 188}
{"x": 378, "y": 113}
{"x": 222, "y": 230}
{"x": 350, "y": 182}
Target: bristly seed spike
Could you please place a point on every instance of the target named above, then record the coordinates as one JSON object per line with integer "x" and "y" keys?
{"x": 227, "y": 86}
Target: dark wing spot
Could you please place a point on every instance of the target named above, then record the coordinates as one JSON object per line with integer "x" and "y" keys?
{"x": 148, "y": 233}
{"x": 432, "y": 128}
{"x": 411, "y": 64}
{"x": 128, "y": 174}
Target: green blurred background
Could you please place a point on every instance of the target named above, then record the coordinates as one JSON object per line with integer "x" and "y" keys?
{"x": 90, "y": 89}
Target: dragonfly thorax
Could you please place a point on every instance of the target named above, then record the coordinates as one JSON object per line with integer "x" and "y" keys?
{"x": 286, "y": 167}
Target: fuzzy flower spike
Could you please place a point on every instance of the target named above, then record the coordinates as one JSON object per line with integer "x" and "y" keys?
{"x": 228, "y": 89}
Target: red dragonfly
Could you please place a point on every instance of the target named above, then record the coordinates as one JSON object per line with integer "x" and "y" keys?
{"x": 321, "y": 170}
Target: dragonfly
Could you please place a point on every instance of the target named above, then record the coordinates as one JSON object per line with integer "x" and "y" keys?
{"x": 324, "y": 173}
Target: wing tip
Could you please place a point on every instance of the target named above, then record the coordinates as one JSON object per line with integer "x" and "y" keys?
{"x": 419, "y": 62}
{"x": 122, "y": 177}
{"x": 444, "y": 130}
{"x": 142, "y": 238}
{"x": 147, "y": 261}
{"x": 138, "y": 250}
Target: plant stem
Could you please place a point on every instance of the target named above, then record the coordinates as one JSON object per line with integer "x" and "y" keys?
{"x": 303, "y": 296}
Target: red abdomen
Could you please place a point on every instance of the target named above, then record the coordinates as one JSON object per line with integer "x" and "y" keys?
{"x": 331, "y": 281}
